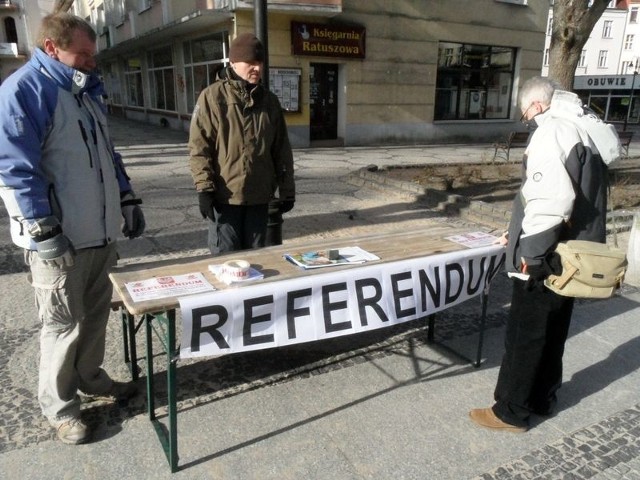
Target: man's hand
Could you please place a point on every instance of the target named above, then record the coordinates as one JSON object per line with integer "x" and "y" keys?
{"x": 53, "y": 247}
{"x": 207, "y": 203}
{"x": 538, "y": 273}
{"x": 286, "y": 205}
{"x": 134, "y": 223}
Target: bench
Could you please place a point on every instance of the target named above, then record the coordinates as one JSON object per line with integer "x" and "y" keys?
{"x": 514, "y": 140}
{"x": 625, "y": 141}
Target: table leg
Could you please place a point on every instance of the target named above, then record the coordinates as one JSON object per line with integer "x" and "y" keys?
{"x": 165, "y": 329}
{"x": 172, "y": 359}
{"x": 151, "y": 409}
{"x": 129, "y": 330}
{"x": 483, "y": 320}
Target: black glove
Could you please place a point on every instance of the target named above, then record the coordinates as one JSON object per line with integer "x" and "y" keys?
{"x": 134, "y": 222}
{"x": 53, "y": 247}
{"x": 286, "y": 205}
{"x": 207, "y": 203}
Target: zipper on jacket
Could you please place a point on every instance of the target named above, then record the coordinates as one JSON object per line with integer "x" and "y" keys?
{"x": 85, "y": 137}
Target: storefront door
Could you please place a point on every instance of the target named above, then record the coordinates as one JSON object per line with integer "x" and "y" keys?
{"x": 323, "y": 101}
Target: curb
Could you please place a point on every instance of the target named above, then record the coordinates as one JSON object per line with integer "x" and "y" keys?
{"x": 476, "y": 211}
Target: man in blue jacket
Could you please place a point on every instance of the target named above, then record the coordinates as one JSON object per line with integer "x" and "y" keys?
{"x": 563, "y": 197}
{"x": 66, "y": 193}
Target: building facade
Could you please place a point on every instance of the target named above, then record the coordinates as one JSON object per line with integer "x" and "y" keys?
{"x": 348, "y": 72}
{"x": 606, "y": 76}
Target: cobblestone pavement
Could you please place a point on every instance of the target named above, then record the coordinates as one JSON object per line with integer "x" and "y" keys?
{"x": 327, "y": 207}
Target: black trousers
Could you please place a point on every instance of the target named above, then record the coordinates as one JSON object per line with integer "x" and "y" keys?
{"x": 238, "y": 227}
{"x": 531, "y": 369}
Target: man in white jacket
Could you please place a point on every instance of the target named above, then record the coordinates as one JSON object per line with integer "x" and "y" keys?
{"x": 66, "y": 192}
{"x": 563, "y": 197}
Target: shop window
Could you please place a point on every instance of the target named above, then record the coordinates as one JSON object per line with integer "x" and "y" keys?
{"x": 161, "y": 79}
{"x": 474, "y": 82}
{"x": 202, "y": 58}
{"x": 133, "y": 82}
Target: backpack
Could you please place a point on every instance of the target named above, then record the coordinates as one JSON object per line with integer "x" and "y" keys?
{"x": 589, "y": 270}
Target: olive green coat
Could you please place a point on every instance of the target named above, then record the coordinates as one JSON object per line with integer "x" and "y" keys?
{"x": 238, "y": 144}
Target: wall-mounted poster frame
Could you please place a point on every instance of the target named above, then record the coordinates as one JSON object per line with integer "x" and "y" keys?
{"x": 285, "y": 83}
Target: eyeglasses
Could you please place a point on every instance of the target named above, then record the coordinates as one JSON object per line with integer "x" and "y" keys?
{"x": 527, "y": 111}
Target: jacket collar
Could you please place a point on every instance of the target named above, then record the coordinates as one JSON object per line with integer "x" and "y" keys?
{"x": 66, "y": 77}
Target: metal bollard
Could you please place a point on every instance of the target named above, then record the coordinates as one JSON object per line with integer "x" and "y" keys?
{"x": 274, "y": 224}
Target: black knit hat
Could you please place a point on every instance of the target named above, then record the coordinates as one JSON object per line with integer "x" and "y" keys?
{"x": 246, "y": 48}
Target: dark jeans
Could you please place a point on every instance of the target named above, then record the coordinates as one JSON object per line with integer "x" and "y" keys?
{"x": 531, "y": 369}
{"x": 238, "y": 227}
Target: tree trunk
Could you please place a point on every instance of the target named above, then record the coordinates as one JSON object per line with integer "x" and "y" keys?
{"x": 573, "y": 21}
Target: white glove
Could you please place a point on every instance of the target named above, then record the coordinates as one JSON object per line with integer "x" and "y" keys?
{"x": 52, "y": 246}
{"x": 133, "y": 217}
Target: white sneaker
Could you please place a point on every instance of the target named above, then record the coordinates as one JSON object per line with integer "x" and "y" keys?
{"x": 72, "y": 431}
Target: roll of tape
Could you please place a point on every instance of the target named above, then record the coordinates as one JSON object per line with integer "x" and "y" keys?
{"x": 236, "y": 269}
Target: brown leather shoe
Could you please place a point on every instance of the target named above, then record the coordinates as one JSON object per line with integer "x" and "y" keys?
{"x": 486, "y": 418}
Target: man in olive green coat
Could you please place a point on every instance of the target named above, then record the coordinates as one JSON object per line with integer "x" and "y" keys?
{"x": 240, "y": 153}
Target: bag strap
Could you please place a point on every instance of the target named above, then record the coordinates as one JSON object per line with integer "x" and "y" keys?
{"x": 559, "y": 281}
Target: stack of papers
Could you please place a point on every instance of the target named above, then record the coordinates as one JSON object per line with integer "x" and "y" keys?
{"x": 320, "y": 258}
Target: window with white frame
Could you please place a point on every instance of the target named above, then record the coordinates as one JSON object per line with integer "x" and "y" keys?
{"x": 161, "y": 79}
{"x": 633, "y": 15}
{"x": 202, "y": 58}
{"x": 606, "y": 29}
{"x": 545, "y": 61}
{"x": 550, "y": 25}
{"x": 628, "y": 42}
{"x": 602, "y": 59}
{"x": 133, "y": 82}
{"x": 582, "y": 62}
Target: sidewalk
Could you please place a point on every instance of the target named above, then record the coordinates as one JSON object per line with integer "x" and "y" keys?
{"x": 388, "y": 405}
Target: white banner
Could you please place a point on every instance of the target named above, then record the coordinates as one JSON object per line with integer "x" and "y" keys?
{"x": 315, "y": 307}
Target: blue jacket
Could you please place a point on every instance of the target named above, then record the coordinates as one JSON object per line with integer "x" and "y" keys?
{"x": 56, "y": 156}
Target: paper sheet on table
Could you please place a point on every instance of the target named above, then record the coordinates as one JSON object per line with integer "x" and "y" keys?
{"x": 170, "y": 286}
{"x": 473, "y": 239}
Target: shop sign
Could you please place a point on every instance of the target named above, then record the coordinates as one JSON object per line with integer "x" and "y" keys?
{"x": 602, "y": 82}
{"x": 317, "y": 39}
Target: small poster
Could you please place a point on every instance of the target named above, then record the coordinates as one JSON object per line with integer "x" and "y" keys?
{"x": 474, "y": 239}
{"x": 169, "y": 286}
{"x": 285, "y": 83}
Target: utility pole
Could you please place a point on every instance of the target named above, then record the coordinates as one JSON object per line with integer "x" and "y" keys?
{"x": 260, "y": 19}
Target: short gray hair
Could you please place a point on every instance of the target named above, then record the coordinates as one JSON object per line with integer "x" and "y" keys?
{"x": 537, "y": 89}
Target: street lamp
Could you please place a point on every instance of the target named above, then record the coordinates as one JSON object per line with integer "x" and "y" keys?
{"x": 633, "y": 84}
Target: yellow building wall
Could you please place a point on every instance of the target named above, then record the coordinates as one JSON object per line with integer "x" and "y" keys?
{"x": 396, "y": 81}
